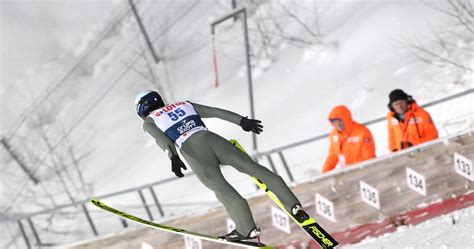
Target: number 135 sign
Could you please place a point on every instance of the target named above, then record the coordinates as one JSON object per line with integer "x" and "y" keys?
{"x": 369, "y": 194}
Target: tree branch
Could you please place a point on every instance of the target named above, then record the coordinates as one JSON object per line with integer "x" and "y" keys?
{"x": 297, "y": 19}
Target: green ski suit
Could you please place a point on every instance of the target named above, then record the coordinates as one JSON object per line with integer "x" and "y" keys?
{"x": 205, "y": 151}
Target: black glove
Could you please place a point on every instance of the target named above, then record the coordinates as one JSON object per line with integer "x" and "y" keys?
{"x": 251, "y": 125}
{"x": 177, "y": 165}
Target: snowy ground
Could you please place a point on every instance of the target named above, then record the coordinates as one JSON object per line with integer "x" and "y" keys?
{"x": 453, "y": 230}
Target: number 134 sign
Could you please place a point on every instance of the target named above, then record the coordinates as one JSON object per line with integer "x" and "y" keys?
{"x": 416, "y": 181}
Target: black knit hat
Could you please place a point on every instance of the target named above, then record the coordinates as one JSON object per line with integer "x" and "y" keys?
{"x": 398, "y": 94}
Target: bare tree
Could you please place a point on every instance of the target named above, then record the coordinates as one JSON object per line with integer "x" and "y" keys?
{"x": 450, "y": 46}
{"x": 271, "y": 24}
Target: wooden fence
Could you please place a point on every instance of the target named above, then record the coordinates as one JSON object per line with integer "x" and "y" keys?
{"x": 369, "y": 192}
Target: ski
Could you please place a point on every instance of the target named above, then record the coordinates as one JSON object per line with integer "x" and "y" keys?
{"x": 175, "y": 230}
{"x": 310, "y": 226}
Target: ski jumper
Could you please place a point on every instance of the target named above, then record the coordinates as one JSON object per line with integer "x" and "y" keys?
{"x": 180, "y": 126}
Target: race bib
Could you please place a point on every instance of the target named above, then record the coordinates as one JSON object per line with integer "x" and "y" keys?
{"x": 178, "y": 121}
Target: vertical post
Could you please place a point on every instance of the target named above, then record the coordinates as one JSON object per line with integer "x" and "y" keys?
{"x": 160, "y": 210}
{"x": 249, "y": 76}
{"x": 234, "y": 6}
{"x": 145, "y": 34}
{"x": 23, "y": 233}
{"x": 272, "y": 164}
{"x": 38, "y": 241}
{"x": 249, "y": 68}
{"x": 124, "y": 222}
{"x": 288, "y": 171}
{"x": 142, "y": 197}
{"x": 91, "y": 223}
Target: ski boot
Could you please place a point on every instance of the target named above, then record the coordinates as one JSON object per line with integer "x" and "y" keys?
{"x": 298, "y": 213}
{"x": 236, "y": 236}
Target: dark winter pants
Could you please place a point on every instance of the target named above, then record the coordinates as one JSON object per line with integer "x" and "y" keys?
{"x": 205, "y": 151}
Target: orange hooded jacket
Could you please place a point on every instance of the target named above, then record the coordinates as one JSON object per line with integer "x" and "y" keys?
{"x": 417, "y": 127}
{"x": 354, "y": 144}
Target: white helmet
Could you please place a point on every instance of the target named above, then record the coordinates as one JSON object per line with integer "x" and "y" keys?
{"x": 146, "y": 102}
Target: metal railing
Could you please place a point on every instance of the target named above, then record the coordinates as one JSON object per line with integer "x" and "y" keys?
{"x": 373, "y": 121}
{"x": 140, "y": 189}
{"x": 279, "y": 150}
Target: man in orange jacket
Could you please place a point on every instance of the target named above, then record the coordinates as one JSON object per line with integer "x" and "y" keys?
{"x": 350, "y": 141}
{"x": 407, "y": 123}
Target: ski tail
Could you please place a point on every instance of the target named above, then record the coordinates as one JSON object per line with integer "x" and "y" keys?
{"x": 310, "y": 225}
{"x": 176, "y": 230}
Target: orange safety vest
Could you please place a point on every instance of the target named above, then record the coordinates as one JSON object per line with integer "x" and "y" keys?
{"x": 417, "y": 127}
{"x": 354, "y": 144}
